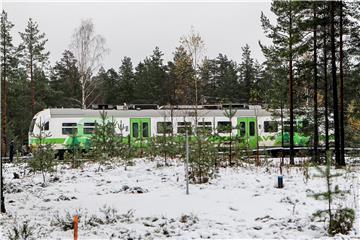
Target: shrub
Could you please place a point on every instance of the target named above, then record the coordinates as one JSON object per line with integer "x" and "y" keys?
{"x": 110, "y": 214}
{"x": 23, "y": 231}
{"x": 342, "y": 221}
{"x": 66, "y": 222}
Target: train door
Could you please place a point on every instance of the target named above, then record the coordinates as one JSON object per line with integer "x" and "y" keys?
{"x": 140, "y": 128}
{"x": 247, "y": 130}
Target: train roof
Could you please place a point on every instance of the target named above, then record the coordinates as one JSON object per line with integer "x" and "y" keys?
{"x": 82, "y": 113}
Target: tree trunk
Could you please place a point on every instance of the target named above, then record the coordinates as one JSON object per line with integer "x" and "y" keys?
{"x": 341, "y": 56}
{"x": 316, "y": 133}
{"x": 335, "y": 89}
{"x": 3, "y": 136}
{"x": 32, "y": 82}
{"x": 326, "y": 88}
{"x": 291, "y": 97}
{"x": 83, "y": 104}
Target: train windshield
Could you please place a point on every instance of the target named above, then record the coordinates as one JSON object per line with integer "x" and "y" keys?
{"x": 32, "y": 125}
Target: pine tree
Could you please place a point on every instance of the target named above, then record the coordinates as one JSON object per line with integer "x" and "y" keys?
{"x": 7, "y": 62}
{"x": 247, "y": 73}
{"x": 220, "y": 80}
{"x": 19, "y": 110}
{"x": 326, "y": 83}
{"x": 315, "y": 63}
{"x": 150, "y": 77}
{"x": 181, "y": 83}
{"x": 98, "y": 92}
{"x": 341, "y": 106}
{"x": 226, "y": 79}
{"x": 351, "y": 56}
{"x": 258, "y": 89}
{"x": 110, "y": 87}
{"x": 287, "y": 37}
{"x": 33, "y": 54}
{"x": 334, "y": 83}
{"x": 65, "y": 82}
{"x": 209, "y": 85}
{"x": 126, "y": 81}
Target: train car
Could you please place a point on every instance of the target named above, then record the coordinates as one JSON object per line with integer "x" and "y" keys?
{"x": 258, "y": 126}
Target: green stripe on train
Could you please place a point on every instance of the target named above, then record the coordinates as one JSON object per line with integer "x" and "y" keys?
{"x": 35, "y": 141}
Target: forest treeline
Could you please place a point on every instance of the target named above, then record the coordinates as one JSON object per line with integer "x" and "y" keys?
{"x": 314, "y": 56}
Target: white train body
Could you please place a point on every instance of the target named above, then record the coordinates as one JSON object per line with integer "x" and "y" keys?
{"x": 61, "y": 125}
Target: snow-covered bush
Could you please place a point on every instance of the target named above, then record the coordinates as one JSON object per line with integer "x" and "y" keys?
{"x": 110, "y": 214}
{"x": 189, "y": 219}
{"x": 342, "y": 221}
{"x": 66, "y": 222}
{"x": 22, "y": 231}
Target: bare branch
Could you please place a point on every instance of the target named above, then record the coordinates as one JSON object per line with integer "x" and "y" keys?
{"x": 89, "y": 50}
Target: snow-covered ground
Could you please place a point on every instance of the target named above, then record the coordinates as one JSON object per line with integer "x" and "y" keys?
{"x": 146, "y": 201}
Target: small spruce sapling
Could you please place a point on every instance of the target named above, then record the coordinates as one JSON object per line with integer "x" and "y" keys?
{"x": 124, "y": 146}
{"x": 43, "y": 159}
{"x": 203, "y": 156}
{"x": 75, "y": 151}
{"x": 230, "y": 113}
{"x": 104, "y": 140}
{"x": 165, "y": 141}
{"x": 341, "y": 219}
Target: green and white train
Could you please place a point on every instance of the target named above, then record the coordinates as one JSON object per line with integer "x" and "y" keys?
{"x": 141, "y": 122}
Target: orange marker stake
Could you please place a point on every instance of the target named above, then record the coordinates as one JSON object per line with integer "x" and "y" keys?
{"x": 76, "y": 220}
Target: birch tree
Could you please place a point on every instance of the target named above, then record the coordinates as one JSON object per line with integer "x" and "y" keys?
{"x": 195, "y": 46}
{"x": 89, "y": 49}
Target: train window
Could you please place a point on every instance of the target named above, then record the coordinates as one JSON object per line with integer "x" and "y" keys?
{"x": 270, "y": 126}
{"x": 287, "y": 126}
{"x": 252, "y": 128}
{"x": 69, "y": 128}
{"x": 205, "y": 127}
{"x": 183, "y": 126}
{"x": 135, "y": 130}
{"x": 89, "y": 128}
{"x": 145, "y": 129}
{"x": 164, "y": 127}
{"x": 242, "y": 129}
{"x": 224, "y": 127}
{"x": 32, "y": 125}
{"x": 46, "y": 126}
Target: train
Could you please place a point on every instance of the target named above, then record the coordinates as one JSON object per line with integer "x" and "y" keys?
{"x": 260, "y": 127}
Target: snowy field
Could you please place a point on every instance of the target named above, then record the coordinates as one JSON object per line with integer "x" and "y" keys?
{"x": 146, "y": 201}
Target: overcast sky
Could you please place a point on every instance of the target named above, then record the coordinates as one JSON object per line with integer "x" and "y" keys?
{"x": 134, "y": 28}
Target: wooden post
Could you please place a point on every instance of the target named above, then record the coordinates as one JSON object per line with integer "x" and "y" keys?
{"x": 187, "y": 163}
{"x": 76, "y": 220}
